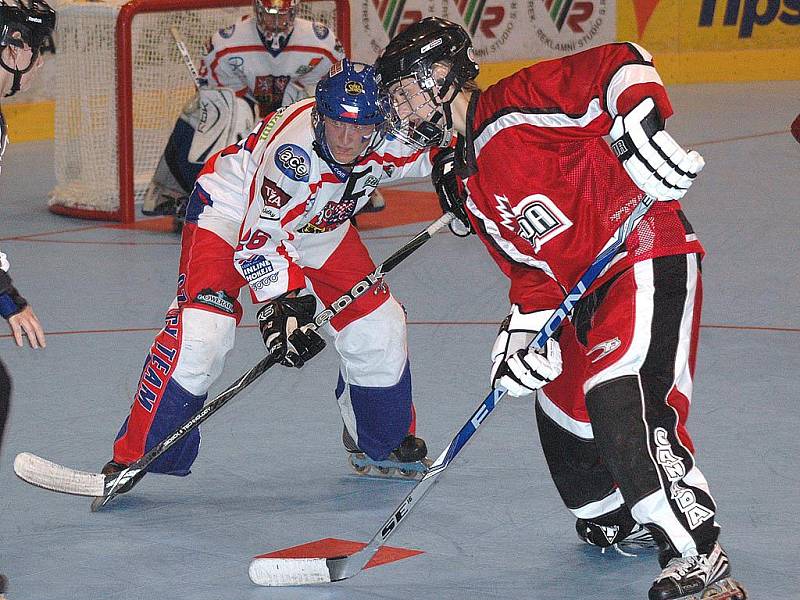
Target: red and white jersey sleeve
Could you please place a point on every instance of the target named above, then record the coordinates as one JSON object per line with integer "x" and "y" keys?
{"x": 238, "y": 59}
{"x": 544, "y": 189}
{"x": 292, "y": 206}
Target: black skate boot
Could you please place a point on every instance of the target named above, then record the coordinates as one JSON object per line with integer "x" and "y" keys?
{"x": 698, "y": 577}
{"x": 114, "y": 467}
{"x": 624, "y": 535}
{"x": 408, "y": 461}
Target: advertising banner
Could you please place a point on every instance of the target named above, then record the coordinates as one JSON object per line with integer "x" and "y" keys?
{"x": 501, "y": 30}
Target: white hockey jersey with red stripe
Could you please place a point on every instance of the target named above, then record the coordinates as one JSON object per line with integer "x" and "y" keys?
{"x": 238, "y": 59}
{"x": 544, "y": 189}
{"x": 292, "y": 206}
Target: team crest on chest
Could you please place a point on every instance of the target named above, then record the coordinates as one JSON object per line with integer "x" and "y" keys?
{"x": 539, "y": 220}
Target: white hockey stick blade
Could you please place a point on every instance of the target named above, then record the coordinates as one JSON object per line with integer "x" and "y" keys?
{"x": 58, "y": 478}
{"x": 289, "y": 571}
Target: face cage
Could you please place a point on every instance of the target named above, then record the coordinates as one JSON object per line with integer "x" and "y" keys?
{"x": 424, "y": 126}
{"x": 275, "y": 36}
{"x": 321, "y": 144}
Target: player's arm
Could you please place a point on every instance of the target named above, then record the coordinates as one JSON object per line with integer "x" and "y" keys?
{"x": 637, "y": 102}
{"x": 266, "y": 258}
{"x": 16, "y": 310}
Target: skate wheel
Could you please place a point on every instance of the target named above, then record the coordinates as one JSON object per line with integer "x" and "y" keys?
{"x": 385, "y": 470}
{"x": 409, "y": 473}
{"x": 360, "y": 469}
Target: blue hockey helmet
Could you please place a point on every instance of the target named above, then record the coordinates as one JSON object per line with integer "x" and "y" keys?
{"x": 349, "y": 93}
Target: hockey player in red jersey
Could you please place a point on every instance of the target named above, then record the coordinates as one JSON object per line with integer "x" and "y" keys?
{"x": 544, "y": 192}
{"x": 273, "y": 213}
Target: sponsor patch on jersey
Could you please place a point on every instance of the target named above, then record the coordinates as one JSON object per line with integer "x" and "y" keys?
{"x": 258, "y": 271}
{"x": 539, "y": 220}
{"x": 353, "y": 88}
{"x": 219, "y": 300}
{"x": 227, "y": 32}
{"x": 293, "y": 162}
{"x": 331, "y": 216}
{"x": 372, "y": 181}
{"x": 320, "y": 31}
{"x": 274, "y": 199}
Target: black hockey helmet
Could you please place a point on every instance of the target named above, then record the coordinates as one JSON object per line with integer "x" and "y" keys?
{"x": 413, "y": 52}
{"x": 415, "y": 55}
{"x": 25, "y": 23}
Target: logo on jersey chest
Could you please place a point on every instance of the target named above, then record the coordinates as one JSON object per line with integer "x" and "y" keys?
{"x": 537, "y": 218}
{"x": 274, "y": 199}
{"x": 334, "y": 213}
{"x": 293, "y": 162}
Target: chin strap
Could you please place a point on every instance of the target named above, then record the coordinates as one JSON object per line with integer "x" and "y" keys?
{"x": 18, "y": 73}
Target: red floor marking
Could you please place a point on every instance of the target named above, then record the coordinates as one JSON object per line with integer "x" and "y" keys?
{"x": 402, "y": 207}
{"x": 332, "y": 548}
{"x": 161, "y": 224}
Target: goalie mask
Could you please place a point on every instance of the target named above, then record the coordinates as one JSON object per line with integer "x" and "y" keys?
{"x": 275, "y": 22}
{"x": 24, "y": 25}
{"x": 423, "y": 68}
{"x": 350, "y": 115}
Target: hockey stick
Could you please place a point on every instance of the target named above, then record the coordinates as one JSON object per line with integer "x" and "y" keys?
{"x": 58, "y": 478}
{"x": 299, "y": 571}
{"x": 187, "y": 58}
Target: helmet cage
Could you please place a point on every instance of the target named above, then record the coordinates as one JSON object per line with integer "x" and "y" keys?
{"x": 420, "y": 107}
{"x": 268, "y": 14}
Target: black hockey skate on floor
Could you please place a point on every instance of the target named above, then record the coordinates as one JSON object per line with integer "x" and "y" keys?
{"x": 408, "y": 461}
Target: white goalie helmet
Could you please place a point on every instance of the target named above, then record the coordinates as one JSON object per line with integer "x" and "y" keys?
{"x": 275, "y": 22}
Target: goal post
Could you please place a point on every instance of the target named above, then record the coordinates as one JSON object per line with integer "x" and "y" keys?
{"x": 120, "y": 87}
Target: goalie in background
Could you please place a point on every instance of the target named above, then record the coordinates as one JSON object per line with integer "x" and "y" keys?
{"x": 250, "y": 69}
{"x": 544, "y": 192}
{"x": 25, "y": 27}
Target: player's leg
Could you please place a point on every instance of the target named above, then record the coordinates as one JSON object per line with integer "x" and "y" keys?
{"x": 175, "y": 174}
{"x": 188, "y": 354}
{"x": 5, "y": 399}
{"x": 374, "y": 387}
{"x": 581, "y": 477}
{"x": 638, "y": 390}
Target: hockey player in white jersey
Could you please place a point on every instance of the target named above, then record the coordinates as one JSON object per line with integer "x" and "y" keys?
{"x": 250, "y": 68}
{"x": 273, "y": 213}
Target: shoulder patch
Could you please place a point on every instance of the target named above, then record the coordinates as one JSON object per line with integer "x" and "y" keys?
{"x": 227, "y": 32}
{"x": 320, "y": 31}
{"x": 293, "y": 162}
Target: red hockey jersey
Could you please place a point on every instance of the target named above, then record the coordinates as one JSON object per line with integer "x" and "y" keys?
{"x": 544, "y": 189}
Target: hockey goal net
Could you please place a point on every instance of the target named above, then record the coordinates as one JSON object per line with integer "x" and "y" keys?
{"x": 120, "y": 86}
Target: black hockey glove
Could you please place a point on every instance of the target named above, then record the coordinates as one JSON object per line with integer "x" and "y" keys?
{"x": 443, "y": 177}
{"x": 281, "y": 321}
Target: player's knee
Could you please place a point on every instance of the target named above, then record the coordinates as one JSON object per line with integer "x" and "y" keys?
{"x": 373, "y": 348}
{"x": 206, "y": 339}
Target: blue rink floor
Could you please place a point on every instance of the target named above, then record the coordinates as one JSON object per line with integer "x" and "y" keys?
{"x": 272, "y": 472}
